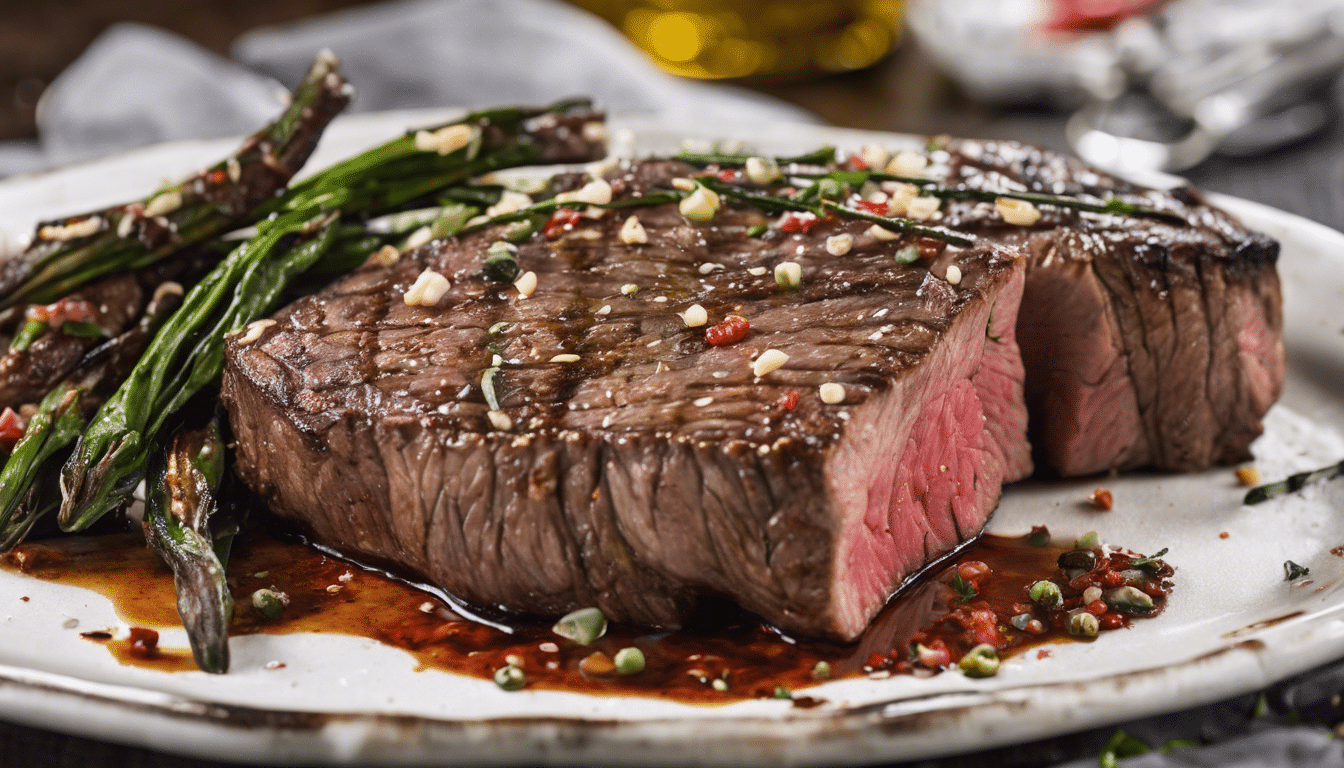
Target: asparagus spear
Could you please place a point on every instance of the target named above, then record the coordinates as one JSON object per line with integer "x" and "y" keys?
{"x": 74, "y": 251}
{"x": 1290, "y": 484}
{"x": 188, "y": 353}
{"x": 61, "y": 418}
{"x": 181, "y": 498}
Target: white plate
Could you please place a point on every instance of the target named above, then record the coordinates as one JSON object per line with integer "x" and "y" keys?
{"x": 1232, "y": 625}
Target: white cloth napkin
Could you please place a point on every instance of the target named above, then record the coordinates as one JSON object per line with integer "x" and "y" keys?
{"x": 137, "y": 85}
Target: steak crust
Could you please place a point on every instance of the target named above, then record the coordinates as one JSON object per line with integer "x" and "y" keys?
{"x": 656, "y": 468}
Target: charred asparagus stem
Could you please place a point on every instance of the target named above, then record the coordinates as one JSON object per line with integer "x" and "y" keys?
{"x": 72, "y": 252}
{"x": 181, "y": 498}
{"x": 188, "y": 353}
{"x": 61, "y": 418}
{"x": 1292, "y": 483}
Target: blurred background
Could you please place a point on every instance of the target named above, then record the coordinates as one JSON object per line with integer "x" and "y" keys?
{"x": 1240, "y": 96}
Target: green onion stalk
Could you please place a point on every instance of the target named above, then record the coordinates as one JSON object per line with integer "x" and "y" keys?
{"x": 67, "y": 254}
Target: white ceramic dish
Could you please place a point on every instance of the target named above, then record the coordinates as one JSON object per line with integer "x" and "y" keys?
{"x": 1232, "y": 625}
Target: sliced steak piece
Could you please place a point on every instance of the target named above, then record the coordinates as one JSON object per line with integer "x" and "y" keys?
{"x": 1147, "y": 344}
{"x": 655, "y": 467}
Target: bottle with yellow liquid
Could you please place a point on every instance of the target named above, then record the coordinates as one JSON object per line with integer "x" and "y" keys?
{"x": 774, "y": 39}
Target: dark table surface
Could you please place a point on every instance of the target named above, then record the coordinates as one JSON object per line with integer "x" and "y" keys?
{"x": 905, "y": 94}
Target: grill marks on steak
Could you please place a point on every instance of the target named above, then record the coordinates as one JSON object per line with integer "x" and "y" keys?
{"x": 621, "y": 485}
{"x": 1146, "y": 343}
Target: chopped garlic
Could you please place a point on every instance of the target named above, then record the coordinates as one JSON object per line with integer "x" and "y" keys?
{"x": 762, "y": 170}
{"x": 383, "y": 257}
{"x": 85, "y": 227}
{"x": 445, "y": 140}
{"x": 873, "y": 156}
{"x": 632, "y": 232}
{"x": 839, "y": 245}
{"x": 428, "y": 288}
{"x": 769, "y": 361}
{"x": 500, "y": 420}
{"x": 418, "y": 238}
{"x": 594, "y": 131}
{"x": 881, "y": 233}
{"x": 629, "y": 289}
{"x": 1017, "y": 212}
{"x": 254, "y": 330}
{"x": 596, "y": 192}
{"x": 757, "y": 271}
{"x": 923, "y": 208}
{"x": 832, "y": 393}
{"x": 788, "y": 275}
{"x": 509, "y": 202}
{"x": 710, "y": 266}
{"x": 234, "y": 169}
{"x": 907, "y": 163}
{"x": 685, "y": 185}
{"x": 164, "y": 203}
{"x": 566, "y": 357}
{"x": 700, "y": 206}
{"x": 953, "y": 274}
{"x": 695, "y": 316}
{"x": 526, "y": 284}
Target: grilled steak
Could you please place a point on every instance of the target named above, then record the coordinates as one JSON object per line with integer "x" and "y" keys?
{"x": 1146, "y": 343}
{"x": 653, "y": 467}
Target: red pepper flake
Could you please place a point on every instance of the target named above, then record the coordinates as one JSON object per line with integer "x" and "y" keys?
{"x": 872, "y": 206}
{"x": 61, "y": 312}
{"x": 728, "y": 175}
{"x": 1043, "y": 654}
{"x": 973, "y": 570}
{"x": 11, "y": 428}
{"x": 789, "y": 400}
{"x": 1097, "y": 607}
{"x": 794, "y": 222}
{"x": 98, "y": 634}
{"x": 1111, "y": 621}
{"x": 217, "y": 177}
{"x": 855, "y": 163}
{"x": 877, "y": 661}
{"x": 1223, "y": 535}
{"x": 562, "y": 221}
{"x": 1101, "y": 499}
{"x": 732, "y": 330}
{"x": 144, "y": 643}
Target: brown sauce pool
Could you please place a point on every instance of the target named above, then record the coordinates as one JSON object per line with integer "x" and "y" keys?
{"x": 750, "y": 659}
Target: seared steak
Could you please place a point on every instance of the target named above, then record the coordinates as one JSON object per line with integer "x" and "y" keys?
{"x": 1146, "y": 343}
{"x": 652, "y": 467}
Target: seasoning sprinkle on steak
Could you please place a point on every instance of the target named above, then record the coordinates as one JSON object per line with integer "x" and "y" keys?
{"x": 655, "y": 468}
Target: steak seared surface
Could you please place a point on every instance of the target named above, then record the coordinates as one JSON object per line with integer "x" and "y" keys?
{"x": 1146, "y": 343}
{"x": 656, "y": 468}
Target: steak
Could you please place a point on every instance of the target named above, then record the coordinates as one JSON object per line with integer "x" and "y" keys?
{"x": 631, "y": 464}
{"x": 1146, "y": 343}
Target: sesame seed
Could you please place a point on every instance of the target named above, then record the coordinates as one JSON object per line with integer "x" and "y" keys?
{"x": 881, "y": 233}
{"x": 428, "y": 288}
{"x": 769, "y": 361}
{"x": 333, "y": 588}
{"x": 685, "y": 185}
{"x": 701, "y": 402}
{"x": 832, "y": 393}
{"x": 500, "y": 420}
{"x": 695, "y": 316}
{"x": 629, "y": 289}
{"x": 633, "y": 232}
{"x": 659, "y": 299}
{"x": 839, "y": 245}
{"x": 757, "y": 271}
{"x": 383, "y": 257}
{"x": 953, "y": 275}
{"x": 594, "y": 131}
{"x": 548, "y": 648}
{"x": 565, "y": 357}
{"x": 427, "y": 607}
{"x": 509, "y": 202}
{"x": 1017, "y": 212}
{"x": 255, "y": 329}
{"x": 604, "y": 310}
{"x": 418, "y": 238}
{"x": 164, "y": 203}
{"x": 526, "y": 284}
{"x": 709, "y": 266}
{"x": 234, "y": 169}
